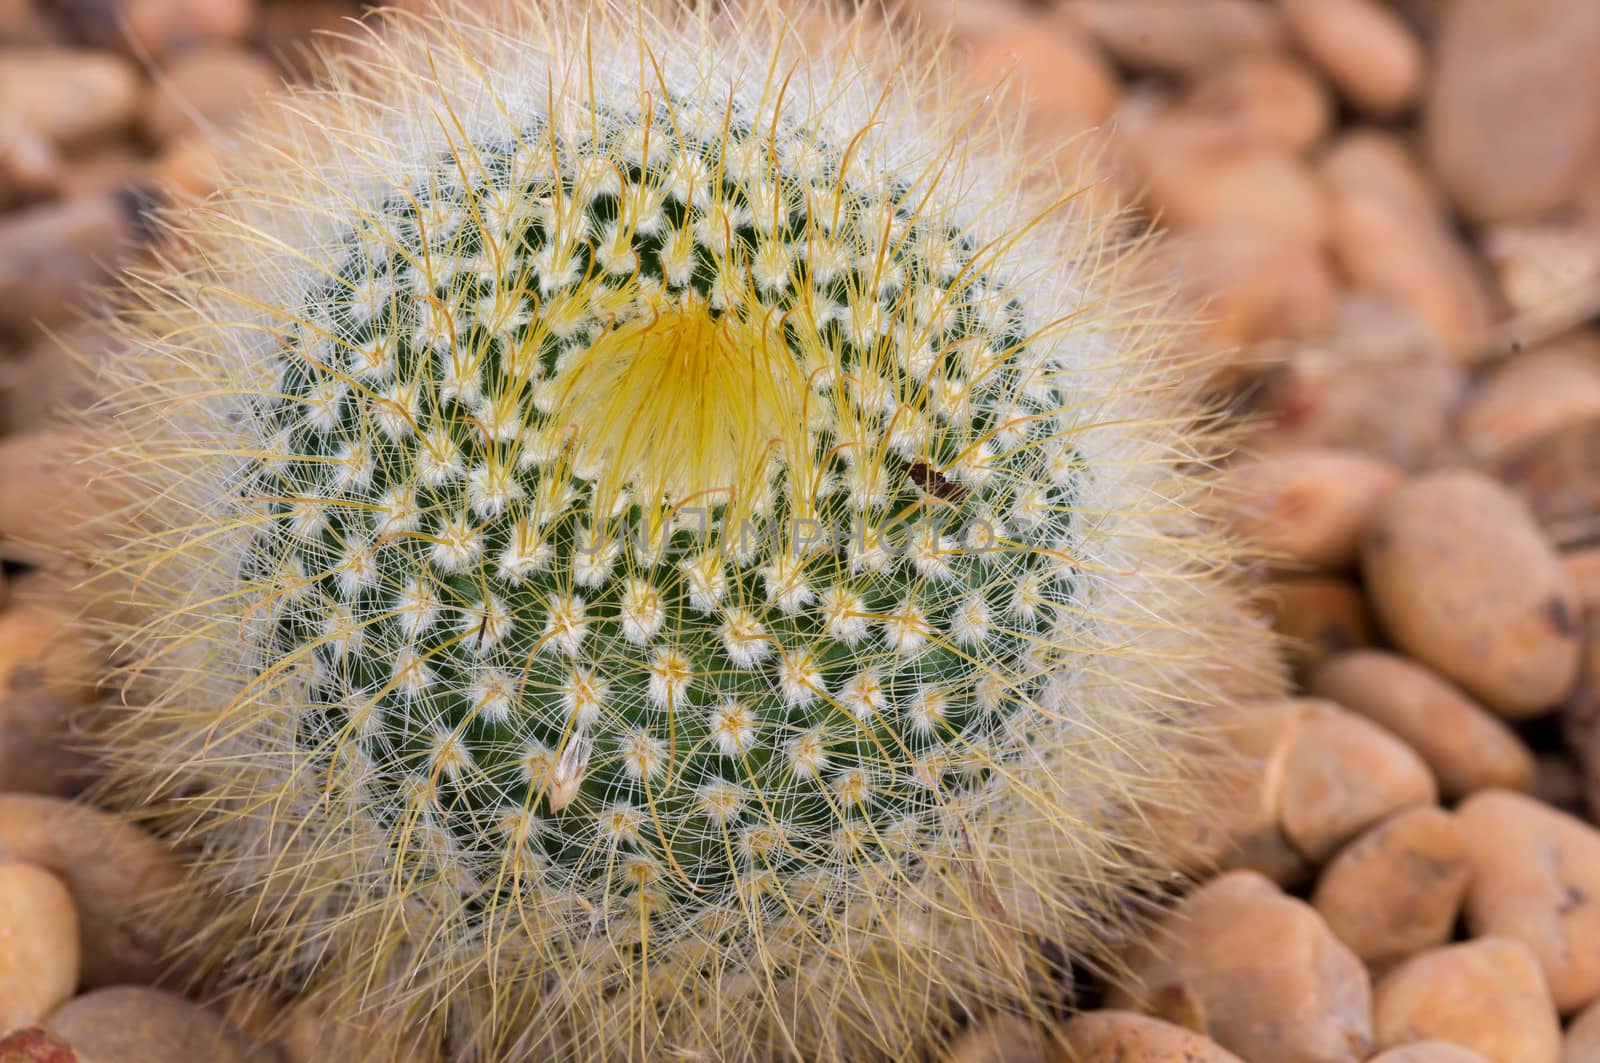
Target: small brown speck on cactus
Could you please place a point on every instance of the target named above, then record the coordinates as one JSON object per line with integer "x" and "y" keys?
{"x": 649, "y": 538}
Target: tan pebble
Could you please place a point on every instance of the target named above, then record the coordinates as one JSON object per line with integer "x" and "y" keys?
{"x": 1547, "y": 267}
{"x": 1196, "y": 174}
{"x": 1245, "y": 284}
{"x": 1242, "y": 830}
{"x": 1558, "y": 475}
{"x": 68, "y": 96}
{"x": 42, "y": 648}
{"x": 205, "y": 90}
{"x": 1061, "y": 81}
{"x": 1485, "y": 995}
{"x": 1379, "y": 384}
{"x": 284, "y": 27}
{"x": 1583, "y": 571}
{"x": 1536, "y": 392}
{"x": 311, "y": 1033}
{"x": 1272, "y": 97}
{"x": 1582, "y": 1044}
{"x": 1306, "y": 507}
{"x": 114, "y": 871}
{"x": 161, "y": 27}
{"x": 36, "y": 750}
{"x": 30, "y": 166}
{"x": 1004, "y": 1039}
{"x": 1266, "y": 976}
{"x": 1465, "y": 746}
{"x": 1428, "y": 1052}
{"x": 1317, "y": 617}
{"x": 137, "y": 1024}
{"x": 1462, "y": 579}
{"x": 45, "y": 379}
{"x": 1128, "y": 1037}
{"x": 1388, "y": 235}
{"x": 1158, "y": 36}
{"x": 1396, "y": 890}
{"x": 39, "y": 929}
{"x": 1513, "y": 112}
{"x": 1344, "y": 774}
{"x": 191, "y": 166}
{"x": 111, "y": 168}
{"x": 22, "y": 21}
{"x": 1366, "y": 50}
{"x": 52, "y": 253}
{"x": 1536, "y": 879}
{"x": 46, "y": 505}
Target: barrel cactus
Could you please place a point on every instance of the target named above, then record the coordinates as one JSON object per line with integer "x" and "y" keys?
{"x": 651, "y": 533}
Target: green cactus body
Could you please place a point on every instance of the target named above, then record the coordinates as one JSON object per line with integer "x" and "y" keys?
{"x": 673, "y": 695}
{"x": 633, "y": 556}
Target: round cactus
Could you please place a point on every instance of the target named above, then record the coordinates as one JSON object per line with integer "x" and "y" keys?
{"x": 644, "y": 539}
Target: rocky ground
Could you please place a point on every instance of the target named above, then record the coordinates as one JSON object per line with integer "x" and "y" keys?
{"x": 1391, "y": 214}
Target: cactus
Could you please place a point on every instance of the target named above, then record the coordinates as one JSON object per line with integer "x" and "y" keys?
{"x": 646, "y": 539}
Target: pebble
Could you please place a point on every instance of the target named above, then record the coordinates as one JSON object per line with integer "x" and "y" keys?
{"x": 1344, "y": 774}
{"x": 1270, "y": 97}
{"x": 1390, "y": 395}
{"x": 1197, "y": 174}
{"x": 1558, "y": 475}
{"x": 1161, "y": 37}
{"x": 1513, "y": 109}
{"x": 310, "y": 1032}
{"x": 39, "y": 929}
{"x": 160, "y": 27}
{"x": 1583, "y": 1037}
{"x": 137, "y": 1024}
{"x": 1397, "y": 889}
{"x": 1244, "y": 830}
{"x": 1306, "y": 507}
{"x": 37, "y": 385}
{"x": 1485, "y": 995}
{"x": 36, "y": 755}
{"x": 68, "y": 96}
{"x": 45, "y": 505}
{"x": 1428, "y": 1052}
{"x": 30, "y": 166}
{"x": 1266, "y": 978}
{"x": 52, "y": 254}
{"x": 1536, "y": 879}
{"x": 1389, "y": 235}
{"x": 1545, "y": 388}
{"x": 1583, "y": 569}
{"x": 1003, "y": 1039}
{"x": 1317, "y": 616}
{"x": 205, "y": 90}
{"x": 1462, "y": 579}
{"x": 1127, "y": 1037}
{"x": 1246, "y": 285}
{"x": 114, "y": 871}
{"x": 1366, "y": 50}
{"x": 43, "y": 649}
{"x": 1466, "y": 747}
{"x": 1546, "y": 268}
